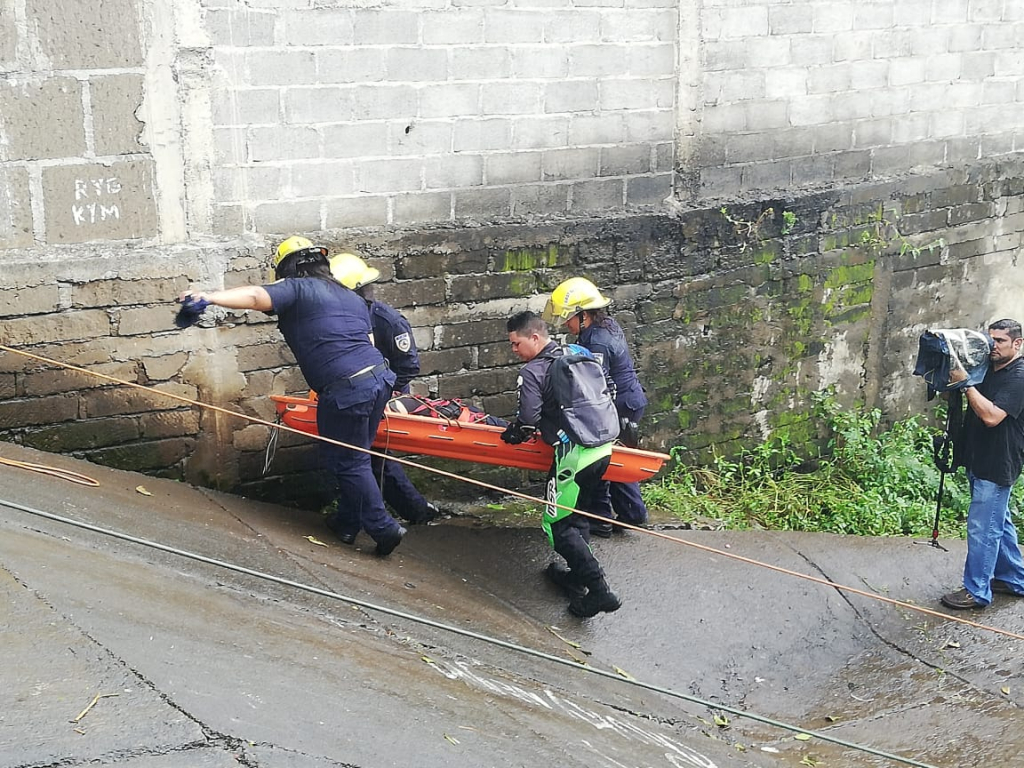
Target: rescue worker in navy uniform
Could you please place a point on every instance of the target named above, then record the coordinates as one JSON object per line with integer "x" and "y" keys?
{"x": 580, "y": 307}
{"x": 575, "y": 473}
{"x": 392, "y": 335}
{"x": 327, "y": 327}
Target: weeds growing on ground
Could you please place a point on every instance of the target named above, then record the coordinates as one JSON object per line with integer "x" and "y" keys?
{"x": 871, "y": 479}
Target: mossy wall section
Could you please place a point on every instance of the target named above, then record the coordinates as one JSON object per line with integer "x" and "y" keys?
{"x": 735, "y": 312}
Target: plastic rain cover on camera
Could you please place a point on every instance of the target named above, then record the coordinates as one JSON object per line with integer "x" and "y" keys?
{"x": 943, "y": 351}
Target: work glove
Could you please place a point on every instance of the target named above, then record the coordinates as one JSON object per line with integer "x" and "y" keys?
{"x": 517, "y": 432}
{"x": 629, "y": 432}
{"x": 190, "y": 312}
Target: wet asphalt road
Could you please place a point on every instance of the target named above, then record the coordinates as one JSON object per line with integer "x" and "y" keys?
{"x": 199, "y": 665}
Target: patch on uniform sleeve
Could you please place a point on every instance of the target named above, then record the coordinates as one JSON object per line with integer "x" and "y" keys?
{"x": 404, "y": 342}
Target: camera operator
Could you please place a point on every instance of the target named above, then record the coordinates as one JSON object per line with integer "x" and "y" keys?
{"x": 991, "y": 449}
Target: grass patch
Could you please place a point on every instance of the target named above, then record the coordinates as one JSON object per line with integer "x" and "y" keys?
{"x": 871, "y": 479}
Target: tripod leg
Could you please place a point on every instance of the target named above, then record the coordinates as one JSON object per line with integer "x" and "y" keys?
{"x": 938, "y": 510}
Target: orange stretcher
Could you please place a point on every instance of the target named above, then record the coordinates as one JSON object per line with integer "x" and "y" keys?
{"x": 480, "y": 443}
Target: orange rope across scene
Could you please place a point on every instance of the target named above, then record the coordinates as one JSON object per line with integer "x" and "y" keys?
{"x": 534, "y": 499}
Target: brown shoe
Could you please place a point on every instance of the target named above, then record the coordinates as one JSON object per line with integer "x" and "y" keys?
{"x": 960, "y": 600}
{"x": 1000, "y": 587}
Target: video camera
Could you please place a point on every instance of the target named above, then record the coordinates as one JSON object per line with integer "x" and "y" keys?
{"x": 942, "y": 352}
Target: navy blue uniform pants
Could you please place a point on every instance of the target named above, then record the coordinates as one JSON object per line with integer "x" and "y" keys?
{"x": 360, "y": 503}
{"x": 621, "y": 501}
{"x": 399, "y": 491}
{"x": 396, "y": 486}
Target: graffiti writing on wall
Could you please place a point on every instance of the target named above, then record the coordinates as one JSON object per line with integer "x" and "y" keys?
{"x": 97, "y": 203}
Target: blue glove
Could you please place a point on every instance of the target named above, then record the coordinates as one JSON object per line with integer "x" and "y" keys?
{"x": 190, "y": 312}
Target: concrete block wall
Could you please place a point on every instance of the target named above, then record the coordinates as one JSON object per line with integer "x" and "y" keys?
{"x": 73, "y": 167}
{"x": 336, "y": 115}
{"x": 818, "y": 92}
{"x": 172, "y": 120}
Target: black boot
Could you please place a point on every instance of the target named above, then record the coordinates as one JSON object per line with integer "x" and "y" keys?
{"x": 338, "y": 529}
{"x": 564, "y": 579}
{"x": 387, "y": 545}
{"x": 599, "y": 599}
{"x": 429, "y": 513}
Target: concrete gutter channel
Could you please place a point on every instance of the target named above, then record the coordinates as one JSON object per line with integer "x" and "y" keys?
{"x": 200, "y": 666}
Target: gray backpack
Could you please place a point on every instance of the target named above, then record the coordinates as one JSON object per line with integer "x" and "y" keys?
{"x": 577, "y": 383}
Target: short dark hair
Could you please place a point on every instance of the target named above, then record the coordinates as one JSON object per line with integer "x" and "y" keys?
{"x": 527, "y": 322}
{"x": 598, "y": 317}
{"x": 306, "y": 263}
{"x": 1012, "y": 327}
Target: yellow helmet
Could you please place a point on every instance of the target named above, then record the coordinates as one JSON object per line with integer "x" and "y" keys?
{"x": 352, "y": 272}
{"x": 296, "y": 244}
{"x": 293, "y": 245}
{"x": 571, "y": 297}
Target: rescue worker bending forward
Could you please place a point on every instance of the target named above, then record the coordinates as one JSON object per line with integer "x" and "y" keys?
{"x": 327, "y": 327}
{"x": 392, "y": 335}
{"x": 575, "y": 473}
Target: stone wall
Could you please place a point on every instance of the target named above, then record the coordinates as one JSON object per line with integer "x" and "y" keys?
{"x": 736, "y": 315}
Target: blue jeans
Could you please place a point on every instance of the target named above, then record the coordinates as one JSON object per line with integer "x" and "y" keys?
{"x": 992, "y": 549}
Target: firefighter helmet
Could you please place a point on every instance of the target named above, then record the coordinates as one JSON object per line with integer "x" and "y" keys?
{"x": 571, "y": 297}
{"x": 352, "y": 272}
{"x": 294, "y": 246}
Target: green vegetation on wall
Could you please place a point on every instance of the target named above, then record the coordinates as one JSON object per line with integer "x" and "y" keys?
{"x": 528, "y": 259}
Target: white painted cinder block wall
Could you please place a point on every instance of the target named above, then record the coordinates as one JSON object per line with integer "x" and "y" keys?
{"x": 824, "y": 92}
{"x": 258, "y": 117}
{"x": 335, "y": 115}
{"x": 352, "y": 113}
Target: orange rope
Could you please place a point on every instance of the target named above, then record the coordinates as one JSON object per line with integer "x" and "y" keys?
{"x": 63, "y": 474}
{"x": 527, "y": 497}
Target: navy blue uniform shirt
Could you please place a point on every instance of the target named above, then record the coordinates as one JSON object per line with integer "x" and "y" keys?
{"x": 327, "y": 328}
{"x": 608, "y": 344}
{"x": 392, "y": 335}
